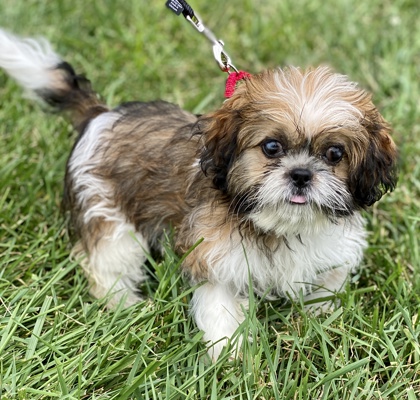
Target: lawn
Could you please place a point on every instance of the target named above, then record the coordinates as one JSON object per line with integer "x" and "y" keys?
{"x": 57, "y": 342}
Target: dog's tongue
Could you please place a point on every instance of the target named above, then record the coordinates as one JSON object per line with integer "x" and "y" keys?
{"x": 298, "y": 199}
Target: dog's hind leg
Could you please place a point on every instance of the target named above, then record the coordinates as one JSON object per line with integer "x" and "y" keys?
{"x": 110, "y": 249}
{"x": 112, "y": 259}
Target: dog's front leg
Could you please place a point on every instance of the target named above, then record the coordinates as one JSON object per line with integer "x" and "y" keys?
{"x": 218, "y": 312}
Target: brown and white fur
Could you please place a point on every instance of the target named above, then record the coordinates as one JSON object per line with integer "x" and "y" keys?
{"x": 274, "y": 181}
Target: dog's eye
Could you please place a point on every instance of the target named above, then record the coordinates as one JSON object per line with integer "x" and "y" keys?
{"x": 272, "y": 148}
{"x": 334, "y": 154}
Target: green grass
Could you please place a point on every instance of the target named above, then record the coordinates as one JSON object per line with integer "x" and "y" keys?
{"x": 58, "y": 342}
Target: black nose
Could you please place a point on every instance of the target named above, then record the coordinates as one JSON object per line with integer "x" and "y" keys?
{"x": 301, "y": 177}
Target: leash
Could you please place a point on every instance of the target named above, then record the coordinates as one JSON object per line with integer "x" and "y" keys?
{"x": 222, "y": 58}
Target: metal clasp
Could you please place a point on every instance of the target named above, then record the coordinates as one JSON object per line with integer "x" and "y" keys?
{"x": 221, "y": 57}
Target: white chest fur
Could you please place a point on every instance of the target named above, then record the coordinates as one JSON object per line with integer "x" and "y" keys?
{"x": 293, "y": 265}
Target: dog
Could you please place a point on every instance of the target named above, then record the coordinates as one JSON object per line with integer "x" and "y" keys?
{"x": 274, "y": 182}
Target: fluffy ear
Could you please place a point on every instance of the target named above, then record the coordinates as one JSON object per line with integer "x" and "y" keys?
{"x": 219, "y": 132}
{"x": 376, "y": 173}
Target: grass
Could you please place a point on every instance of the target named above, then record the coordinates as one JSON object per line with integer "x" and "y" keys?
{"x": 58, "y": 342}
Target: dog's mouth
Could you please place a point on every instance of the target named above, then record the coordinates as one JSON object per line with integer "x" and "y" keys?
{"x": 298, "y": 199}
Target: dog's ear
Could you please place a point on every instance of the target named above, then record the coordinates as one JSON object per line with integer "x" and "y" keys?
{"x": 219, "y": 132}
{"x": 375, "y": 173}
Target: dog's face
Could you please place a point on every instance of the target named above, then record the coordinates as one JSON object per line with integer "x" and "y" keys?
{"x": 292, "y": 146}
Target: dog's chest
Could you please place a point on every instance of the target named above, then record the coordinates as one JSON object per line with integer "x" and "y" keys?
{"x": 291, "y": 265}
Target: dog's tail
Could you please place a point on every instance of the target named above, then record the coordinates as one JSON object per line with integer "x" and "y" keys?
{"x": 43, "y": 74}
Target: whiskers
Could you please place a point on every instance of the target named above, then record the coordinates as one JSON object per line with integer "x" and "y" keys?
{"x": 332, "y": 196}
{"x": 327, "y": 199}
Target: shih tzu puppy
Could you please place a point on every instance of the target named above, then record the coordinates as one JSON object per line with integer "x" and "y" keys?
{"x": 273, "y": 182}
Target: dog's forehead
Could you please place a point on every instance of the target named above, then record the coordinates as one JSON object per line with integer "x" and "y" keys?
{"x": 309, "y": 102}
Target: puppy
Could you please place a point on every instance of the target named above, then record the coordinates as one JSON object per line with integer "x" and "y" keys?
{"x": 273, "y": 181}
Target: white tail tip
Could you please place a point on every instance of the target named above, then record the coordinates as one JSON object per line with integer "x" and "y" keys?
{"x": 29, "y": 61}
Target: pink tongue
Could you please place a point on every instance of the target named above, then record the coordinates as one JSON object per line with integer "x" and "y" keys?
{"x": 298, "y": 199}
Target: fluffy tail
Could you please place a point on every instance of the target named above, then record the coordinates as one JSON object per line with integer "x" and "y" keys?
{"x": 42, "y": 73}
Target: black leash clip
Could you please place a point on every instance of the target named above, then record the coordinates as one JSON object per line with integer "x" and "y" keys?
{"x": 220, "y": 55}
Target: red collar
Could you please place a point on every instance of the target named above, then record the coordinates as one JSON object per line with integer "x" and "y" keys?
{"x": 231, "y": 81}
